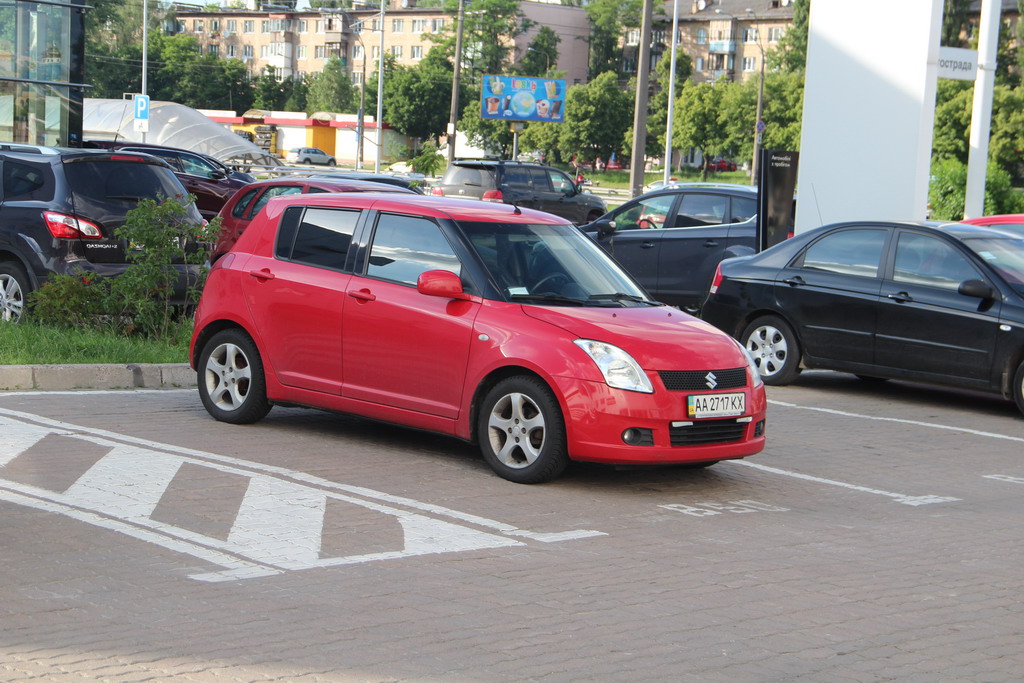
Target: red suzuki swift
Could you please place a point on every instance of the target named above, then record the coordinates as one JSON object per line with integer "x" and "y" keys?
{"x": 490, "y": 323}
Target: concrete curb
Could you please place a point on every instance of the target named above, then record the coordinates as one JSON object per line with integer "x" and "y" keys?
{"x": 65, "y": 377}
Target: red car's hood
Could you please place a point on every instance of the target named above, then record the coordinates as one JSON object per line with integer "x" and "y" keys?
{"x": 658, "y": 338}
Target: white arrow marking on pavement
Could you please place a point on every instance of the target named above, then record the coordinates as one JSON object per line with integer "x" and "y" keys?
{"x": 279, "y": 524}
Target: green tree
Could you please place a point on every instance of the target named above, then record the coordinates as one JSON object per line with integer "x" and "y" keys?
{"x": 597, "y": 116}
{"x": 270, "y": 92}
{"x": 543, "y": 136}
{"x": 489, "y": 28}
{"x": 791, "y": 52}
{"x": 490, "y": 134}
{"x": 698, "y": 123}
{"x": 541, "y": 54}
{"x": 298, "y": 93}
{"x": 183, "y": 75}
{"x": 955, "y": 16}
{"x": 607, "y": 18}
{"x": 418, "y": 99}
{"x": 658, "y": 103}
{"x": 947, "y": 192}
{"x": 331, "y": 89}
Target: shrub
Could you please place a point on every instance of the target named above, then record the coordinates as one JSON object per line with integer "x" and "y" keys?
{"x": 948, "y": 191}
{"x": 139, "y": 301}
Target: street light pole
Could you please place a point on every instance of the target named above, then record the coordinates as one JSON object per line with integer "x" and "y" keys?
{"x": 380, "y": 91}
{"x": 755, "y": 164}
{"x": 453, "y": 117}
{"x": 643, "y": 68}
{"x": 360, "y": 127}
{"x": 670, "y": 119}
{"x": 145, "y": 48}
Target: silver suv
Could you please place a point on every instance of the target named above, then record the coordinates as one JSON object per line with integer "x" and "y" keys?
{"x": 309, "y": 155}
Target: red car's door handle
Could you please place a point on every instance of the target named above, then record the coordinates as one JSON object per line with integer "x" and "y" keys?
{"x": 263, "y": 274}
{"x": 362, "y": 295}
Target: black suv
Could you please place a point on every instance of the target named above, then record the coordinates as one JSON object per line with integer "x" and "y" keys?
{"x": 521, "y": 184}
{"x": 59, "y": 209}
{"x": 672, "y": 239}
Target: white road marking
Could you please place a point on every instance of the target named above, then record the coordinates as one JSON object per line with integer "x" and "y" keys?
{"x": 898, "y": 497}
{"x": 210, "y": 458}
{"x": 1004, "y": 477}
{"x": 126, "y": 483}
{"x": 916, "y": 423}
{"x": 279, "y": 524}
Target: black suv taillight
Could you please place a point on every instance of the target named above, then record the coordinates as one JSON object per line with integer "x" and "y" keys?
{"x": 492, "y": 196}
{"x": 68, "y": 227}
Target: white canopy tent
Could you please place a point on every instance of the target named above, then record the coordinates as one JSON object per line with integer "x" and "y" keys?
{"x": 172, "y": 125}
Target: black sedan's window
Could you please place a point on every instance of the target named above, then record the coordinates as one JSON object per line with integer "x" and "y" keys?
{"x": 850, "y": 252}
{"x": 924, "y": 260}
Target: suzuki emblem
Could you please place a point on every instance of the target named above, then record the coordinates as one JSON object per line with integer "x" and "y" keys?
{"x": 712, "y": 381}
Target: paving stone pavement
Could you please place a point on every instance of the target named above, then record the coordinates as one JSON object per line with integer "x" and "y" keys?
{"x": 877, "y": 538}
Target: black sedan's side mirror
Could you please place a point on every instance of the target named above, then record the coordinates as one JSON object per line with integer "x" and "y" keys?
{"x": 605, "y": 228}
{"x": 977, "y": 289}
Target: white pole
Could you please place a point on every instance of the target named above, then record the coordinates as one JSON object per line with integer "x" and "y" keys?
{"x": 380, "y": 90}
{"x": 145, "y": 48}
{"x": 981, "y": 113}
{"x": 669, "y": 122}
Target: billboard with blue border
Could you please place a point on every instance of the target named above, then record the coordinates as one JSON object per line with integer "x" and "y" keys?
{"x": 518, "y": 98}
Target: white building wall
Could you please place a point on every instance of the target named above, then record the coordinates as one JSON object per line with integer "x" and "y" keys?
{"x": 869, "y": 111}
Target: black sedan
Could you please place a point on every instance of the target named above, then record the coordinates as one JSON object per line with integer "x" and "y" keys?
{"x": 938, "y": 303}
{"x": 670, "y": 240}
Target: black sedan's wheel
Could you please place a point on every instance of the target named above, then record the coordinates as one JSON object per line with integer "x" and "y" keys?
{"x": 770, "y": 341}
{"x": 14, "y": 289}
{"x": 521, "y": 432}
{"x": 231, "y": 381}
{"x": 1018, "y": 387}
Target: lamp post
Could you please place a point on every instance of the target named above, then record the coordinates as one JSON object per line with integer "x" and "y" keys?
{"x": 755, "y": 164}
{"x": 670, "y": 119}
{"x": 758, "y": 126}
{"x": 362, "y": 100}
{"x": 380, "y": 91}
{"x": 547, "y": 56}
{"x": 453, "y": 117}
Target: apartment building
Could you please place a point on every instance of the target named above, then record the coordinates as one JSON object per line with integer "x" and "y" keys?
{"x": 723, "y": 38}
{"x": 296, "y": 42}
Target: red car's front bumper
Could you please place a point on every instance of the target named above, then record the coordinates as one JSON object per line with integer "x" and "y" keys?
{"x": 597, "y": 416}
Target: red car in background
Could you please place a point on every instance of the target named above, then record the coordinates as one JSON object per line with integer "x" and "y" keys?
{"x": 495, "y": 324}
{"x": 248, "y": 202}
{"x": 718, "y": 164}
{"x": 1012, "y": 222}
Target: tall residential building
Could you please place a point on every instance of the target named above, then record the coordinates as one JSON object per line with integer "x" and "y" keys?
{"x": 298, "y": 42}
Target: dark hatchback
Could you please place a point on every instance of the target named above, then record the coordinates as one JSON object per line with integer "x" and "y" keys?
{"x": 530, "y": 186}
{"x": 929, "y": 302}
{"x": 671, "y": 239}
{"x": 60, "y": 208}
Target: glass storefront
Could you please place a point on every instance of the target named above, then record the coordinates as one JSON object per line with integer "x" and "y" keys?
{"x": 42, "y": 49}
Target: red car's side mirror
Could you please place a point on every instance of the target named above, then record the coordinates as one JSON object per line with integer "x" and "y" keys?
{"x": 443, "y": 283}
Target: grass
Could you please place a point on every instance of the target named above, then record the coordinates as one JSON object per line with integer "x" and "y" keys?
{"x": 30, "y": 344}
